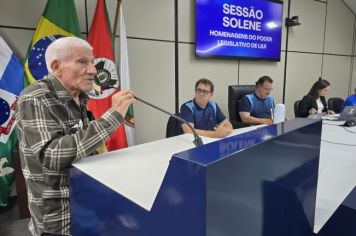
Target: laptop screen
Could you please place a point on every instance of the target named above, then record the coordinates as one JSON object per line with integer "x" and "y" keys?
{"x": 348, "y": 112}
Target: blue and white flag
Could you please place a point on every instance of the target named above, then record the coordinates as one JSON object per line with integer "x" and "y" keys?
{"x": 11, "y": 84}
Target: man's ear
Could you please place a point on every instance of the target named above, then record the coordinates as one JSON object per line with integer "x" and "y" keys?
{"x": 56, "y": 68}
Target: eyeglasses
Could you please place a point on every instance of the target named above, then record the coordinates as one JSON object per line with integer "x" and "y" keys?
{"x": 267, "y": 89}
{"x": 203, "y": 91}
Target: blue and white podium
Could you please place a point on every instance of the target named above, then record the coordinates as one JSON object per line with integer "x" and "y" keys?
{"x": 260, "y": 182}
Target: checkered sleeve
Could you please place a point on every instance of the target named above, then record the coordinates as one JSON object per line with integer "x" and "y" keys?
{"x": 45, "y": 134}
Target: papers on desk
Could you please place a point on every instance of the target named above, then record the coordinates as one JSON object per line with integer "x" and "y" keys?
{"x": 332, "y": 119}
{"x": 334, "y": 122}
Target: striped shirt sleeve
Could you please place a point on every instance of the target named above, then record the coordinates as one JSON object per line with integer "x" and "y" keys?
{"x": 45, "y": 133}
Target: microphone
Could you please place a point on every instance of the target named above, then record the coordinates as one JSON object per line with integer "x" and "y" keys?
{"x": 197, "y": 140}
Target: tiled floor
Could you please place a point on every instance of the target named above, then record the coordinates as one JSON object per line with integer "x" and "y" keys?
{"x": 10, "y": 223}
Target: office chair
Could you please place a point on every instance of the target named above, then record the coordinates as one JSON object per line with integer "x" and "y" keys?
{"x": 335, "y": 104}
{"x": 296, "y": 107}
{"x": 235, "y": 93}
{"x": 173, "y": 128}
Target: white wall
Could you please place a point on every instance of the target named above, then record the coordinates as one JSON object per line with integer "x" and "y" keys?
{"x": 321, "y": 46}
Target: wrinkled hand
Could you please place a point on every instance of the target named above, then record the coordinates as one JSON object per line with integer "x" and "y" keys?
{"x": 313, "y": 111}
{"x": 122, "y": 100}
{"x": 222, "y": 132}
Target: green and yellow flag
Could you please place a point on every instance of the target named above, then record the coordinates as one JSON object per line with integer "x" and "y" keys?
{"x": 59, "y": 19}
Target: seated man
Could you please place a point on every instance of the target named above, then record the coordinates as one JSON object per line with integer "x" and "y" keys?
{"x": 204, "y": 114}
{"x": 257, "y": 108}
{"x": 350, "y": 101}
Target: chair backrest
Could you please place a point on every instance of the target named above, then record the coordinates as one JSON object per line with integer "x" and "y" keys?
{"x": 335, "y": 104}
{"x": 235, "y": 93}
{"x": 173, "y": 128}
{"x": 296, "y": 108}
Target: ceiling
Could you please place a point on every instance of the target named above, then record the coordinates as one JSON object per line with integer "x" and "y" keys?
{"x": 351, "y": 4}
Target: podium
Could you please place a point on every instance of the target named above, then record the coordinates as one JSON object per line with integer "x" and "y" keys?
{"x": 260, "y": 182}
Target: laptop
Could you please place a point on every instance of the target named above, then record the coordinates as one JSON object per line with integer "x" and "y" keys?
{"x": 339, "y": 119}
{"x": 347, "y": 113}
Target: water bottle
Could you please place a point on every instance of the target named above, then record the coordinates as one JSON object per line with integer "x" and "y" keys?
{"x": 279, "y": 113}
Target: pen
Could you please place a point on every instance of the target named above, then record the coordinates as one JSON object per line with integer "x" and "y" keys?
{"x": 272, "y": 114}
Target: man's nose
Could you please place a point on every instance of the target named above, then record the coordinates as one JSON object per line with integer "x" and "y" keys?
{"x": 92, "y": 69}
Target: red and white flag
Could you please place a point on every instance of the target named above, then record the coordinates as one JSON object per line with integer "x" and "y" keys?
{"x": 106, "y": 82}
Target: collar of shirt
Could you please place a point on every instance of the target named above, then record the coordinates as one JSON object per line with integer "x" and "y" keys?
{"x": 198, "y": 107}
{"x": 62, "y": 93}
{"x": 261, "y": 99}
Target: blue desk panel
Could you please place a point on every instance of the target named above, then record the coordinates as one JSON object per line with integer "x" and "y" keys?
{"x": 343, "y": 221}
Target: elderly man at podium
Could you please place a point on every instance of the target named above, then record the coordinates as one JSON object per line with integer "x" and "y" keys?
{"x": 54, "y": 130}
{"x": 204, "y": 114}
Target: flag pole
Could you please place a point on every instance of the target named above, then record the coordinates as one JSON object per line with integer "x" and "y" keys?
{"x": 117, "y": 15}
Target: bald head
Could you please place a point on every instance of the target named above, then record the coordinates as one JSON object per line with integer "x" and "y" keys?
{"x": 62, "y": 48}
{"x": 71, "y": 61}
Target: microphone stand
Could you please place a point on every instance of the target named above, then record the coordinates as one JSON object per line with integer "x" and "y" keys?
{"x": 197, "y": 140}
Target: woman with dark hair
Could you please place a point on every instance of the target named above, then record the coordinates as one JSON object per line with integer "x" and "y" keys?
{"x": 314, "y": 102}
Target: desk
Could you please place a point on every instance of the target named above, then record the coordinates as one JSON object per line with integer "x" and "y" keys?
{"x": 337, "y": 171}
{"x": 261, "y": 182}
{"x": 119, "y": 170}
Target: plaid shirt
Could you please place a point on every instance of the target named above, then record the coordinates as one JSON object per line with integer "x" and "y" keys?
{"x": 53, "y": 132}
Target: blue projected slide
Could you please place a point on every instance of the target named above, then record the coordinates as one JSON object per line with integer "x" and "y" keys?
{"x": 239, "y": 28}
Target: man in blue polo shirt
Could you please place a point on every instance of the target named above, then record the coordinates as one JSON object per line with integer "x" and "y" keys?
{"x": 350, "y": 101}
{"x": 204, "y": 114}
{"x": 257, "y": 108}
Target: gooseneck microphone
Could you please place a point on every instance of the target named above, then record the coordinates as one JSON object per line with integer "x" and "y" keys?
{"x": 197, "y": 140}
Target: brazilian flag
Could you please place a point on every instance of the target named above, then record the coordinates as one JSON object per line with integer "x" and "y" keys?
{"x": 59, "y": 19}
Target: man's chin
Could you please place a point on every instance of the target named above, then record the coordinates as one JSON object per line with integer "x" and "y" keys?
{"x": 88, "y": 89}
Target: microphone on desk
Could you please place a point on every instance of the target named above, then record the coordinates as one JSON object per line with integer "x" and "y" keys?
{"x": 197, "y": 140}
